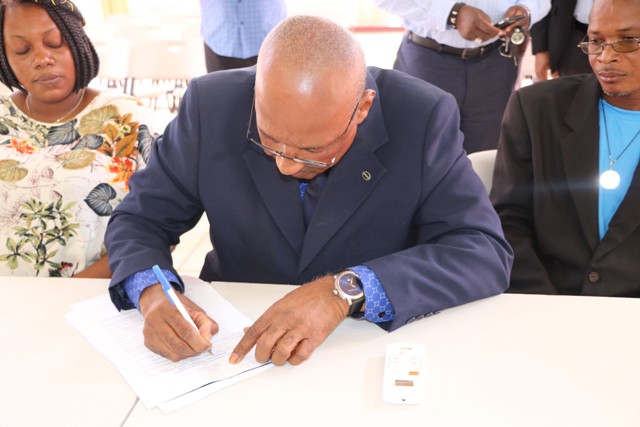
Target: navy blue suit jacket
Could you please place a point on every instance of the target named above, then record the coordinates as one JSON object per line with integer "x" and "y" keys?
{"x": 403, "y": 201}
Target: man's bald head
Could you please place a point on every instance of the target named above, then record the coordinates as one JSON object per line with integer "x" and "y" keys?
{"x": 304, "y": 54}
{"x": 310, "y": 93}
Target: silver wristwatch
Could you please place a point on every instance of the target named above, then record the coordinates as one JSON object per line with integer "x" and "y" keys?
{"x": 348, "y": 286}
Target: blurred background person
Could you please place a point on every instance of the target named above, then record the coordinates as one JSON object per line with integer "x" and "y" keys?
{"x": 233, "y": 30}
{"x": 66, "y": 150}
{"x": 554, "y": 40}
{"x": 456, "y": 47}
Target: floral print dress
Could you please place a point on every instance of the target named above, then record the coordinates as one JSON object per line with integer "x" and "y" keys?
{"x": 60, "y": 182}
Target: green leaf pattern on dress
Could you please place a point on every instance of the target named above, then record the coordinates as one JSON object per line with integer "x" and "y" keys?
{"x": 59, "y": 183}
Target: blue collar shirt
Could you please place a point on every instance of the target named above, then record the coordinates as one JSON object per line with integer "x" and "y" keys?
{"x": 236, "y": 28}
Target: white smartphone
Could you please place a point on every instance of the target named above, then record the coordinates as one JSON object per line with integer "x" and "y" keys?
{"x": 404, "y": 374}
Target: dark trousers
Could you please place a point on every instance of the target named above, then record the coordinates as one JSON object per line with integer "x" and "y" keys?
{"x": 481, "y": 86}
{"x": 217, "y": 62}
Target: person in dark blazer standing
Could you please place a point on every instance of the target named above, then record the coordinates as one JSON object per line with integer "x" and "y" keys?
{"x": 554, "y": 39}
{"x": 402, "y": 226}
{"x": 566, "y": 179}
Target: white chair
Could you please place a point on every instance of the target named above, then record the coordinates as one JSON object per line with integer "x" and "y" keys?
{"x": 115, "y": 57}
{"x": 165, "y": 66}
{"x": 482, "y": 162}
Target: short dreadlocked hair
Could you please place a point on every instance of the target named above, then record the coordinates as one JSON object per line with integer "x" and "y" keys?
{"x": 67, "y": 17}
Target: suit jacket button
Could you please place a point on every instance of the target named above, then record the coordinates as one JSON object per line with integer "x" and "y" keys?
{"x": 593, "y": 277}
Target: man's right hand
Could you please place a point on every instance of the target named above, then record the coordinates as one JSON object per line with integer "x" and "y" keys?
{"x": 167, "y": 333}
{"x": 474, "y": 24}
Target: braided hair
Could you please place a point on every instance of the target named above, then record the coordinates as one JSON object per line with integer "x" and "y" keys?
{"x": 67, "y": 17}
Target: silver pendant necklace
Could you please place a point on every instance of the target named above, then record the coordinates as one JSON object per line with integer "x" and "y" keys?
{"x": 66, "y": 114}
{"x": 610, "y": 179}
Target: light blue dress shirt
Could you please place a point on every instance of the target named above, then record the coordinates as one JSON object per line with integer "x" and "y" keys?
{"x": 236, "y": 28}
{"x": 622, "y": 130}
{"x": 582, "y": 10}
{"x": 428, "y": 18}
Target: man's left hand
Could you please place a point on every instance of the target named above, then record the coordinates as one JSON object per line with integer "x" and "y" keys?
{"x": 292, "y": 328}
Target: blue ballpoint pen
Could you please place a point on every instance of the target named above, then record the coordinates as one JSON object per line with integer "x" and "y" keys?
{"x": 173, "y": 297}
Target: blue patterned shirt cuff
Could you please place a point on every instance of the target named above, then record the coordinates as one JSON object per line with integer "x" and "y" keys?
{"x": 135, "y": 284}
{"x": 377, "y": 306}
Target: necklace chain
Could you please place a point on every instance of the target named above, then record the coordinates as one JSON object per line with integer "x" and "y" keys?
{"x": 66, "y": 114}
{"x": 613, "y": 161}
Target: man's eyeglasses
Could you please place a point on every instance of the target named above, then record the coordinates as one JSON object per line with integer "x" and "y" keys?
{"x": 621, "y": 46}
{"x": 305, "y": 162}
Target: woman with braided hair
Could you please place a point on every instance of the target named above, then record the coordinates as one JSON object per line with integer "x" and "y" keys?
{"x": 66, "y": 150}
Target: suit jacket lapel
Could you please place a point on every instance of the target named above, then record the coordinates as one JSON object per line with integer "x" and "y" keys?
{"x": 280, "y": 194}
{"x": 580, "y": 157}
{"x": 348, "y": 184}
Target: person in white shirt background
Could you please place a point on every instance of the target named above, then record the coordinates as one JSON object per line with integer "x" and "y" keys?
{"x": 455, "y": 46}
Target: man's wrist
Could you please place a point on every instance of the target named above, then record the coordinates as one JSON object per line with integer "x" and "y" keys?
{"x": 148, "y": 296}
{"x": 452, "y": 19}
{"x": 377, "y": 307}
{"x": 135, "y": 284}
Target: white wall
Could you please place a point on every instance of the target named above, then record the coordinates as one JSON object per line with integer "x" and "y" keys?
{"x": 345, "y": 12}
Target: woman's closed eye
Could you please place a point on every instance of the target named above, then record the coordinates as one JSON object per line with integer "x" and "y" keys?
{"x": 50, "y": 45}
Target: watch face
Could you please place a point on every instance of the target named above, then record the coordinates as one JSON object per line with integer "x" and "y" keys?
{"x": 350, "y": 285}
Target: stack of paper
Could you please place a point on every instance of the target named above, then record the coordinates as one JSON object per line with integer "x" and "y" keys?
{"x": 158, "y": 381}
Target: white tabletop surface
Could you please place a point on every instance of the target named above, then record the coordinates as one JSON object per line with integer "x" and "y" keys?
{"x": 510, "y": 360}
{"x": 49, "y": 374}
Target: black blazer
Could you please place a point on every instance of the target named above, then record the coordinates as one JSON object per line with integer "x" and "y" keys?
{"x": 545, "y": 189}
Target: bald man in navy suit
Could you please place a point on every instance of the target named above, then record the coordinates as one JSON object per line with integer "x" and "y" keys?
{"x": 402, "y": 226}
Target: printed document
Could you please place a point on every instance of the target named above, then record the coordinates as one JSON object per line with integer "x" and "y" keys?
{"x": 158, "y": 381}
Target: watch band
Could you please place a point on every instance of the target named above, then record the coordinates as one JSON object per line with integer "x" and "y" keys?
{"x": 355, "y": 309}
{"x": 453, "y": 15}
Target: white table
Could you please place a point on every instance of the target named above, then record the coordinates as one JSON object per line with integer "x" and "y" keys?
{"x": 49, "y": 374}
{"x": 510, "y": 360}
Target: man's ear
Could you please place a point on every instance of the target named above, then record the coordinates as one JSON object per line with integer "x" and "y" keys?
{"x": 365, "y": 104}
